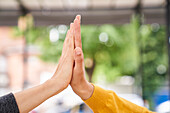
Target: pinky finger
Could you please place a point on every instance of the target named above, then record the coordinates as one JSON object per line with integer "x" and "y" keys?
{"x": 66, "y": 41}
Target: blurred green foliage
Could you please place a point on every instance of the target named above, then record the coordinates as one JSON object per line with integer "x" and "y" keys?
{"x": 115, "y": 57}
{"x": 154, "y": 58}
{"x": 123, "y": 50}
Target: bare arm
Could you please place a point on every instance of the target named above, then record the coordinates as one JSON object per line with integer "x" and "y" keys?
{"x": 31, "y": 98}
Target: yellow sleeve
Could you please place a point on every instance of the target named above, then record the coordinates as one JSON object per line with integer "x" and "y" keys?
{"x": 105, "y": 101}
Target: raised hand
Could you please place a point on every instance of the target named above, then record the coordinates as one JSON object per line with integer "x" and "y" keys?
{"x": 31, "y": 98}
{"x": 79, "y": 83}
{"x": 63, "y": 72}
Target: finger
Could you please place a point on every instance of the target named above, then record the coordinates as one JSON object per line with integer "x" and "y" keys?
{"x": 70, "y": 46}
{"x": 77, "y": 31}
{"x": 66, "y": 41}
{"x": 69, "y": 34}
{"x": 71, "y": 42}
{"x": 71, "y": 39}
{"x": 79, "y": 59}
{"x": 79, "y": 18}
{"x": 72, "y": 28}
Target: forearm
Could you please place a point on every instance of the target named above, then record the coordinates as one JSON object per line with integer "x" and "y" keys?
{"x": 31, "y": 98}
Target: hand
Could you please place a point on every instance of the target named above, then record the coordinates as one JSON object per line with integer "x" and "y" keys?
{"x": 63, "y": 74}
{"x": 30, "y": 98}
{"x": 79, "y": 84}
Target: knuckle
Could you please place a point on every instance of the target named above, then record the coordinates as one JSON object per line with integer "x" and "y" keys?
{"x": 79, "y": 71}
{"x": 80, "y": 60}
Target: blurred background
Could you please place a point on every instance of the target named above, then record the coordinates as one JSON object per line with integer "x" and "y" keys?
{"x": 126, "y": 45}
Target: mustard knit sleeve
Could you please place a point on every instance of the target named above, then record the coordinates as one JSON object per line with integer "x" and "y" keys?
{"x": 105, "y": 101}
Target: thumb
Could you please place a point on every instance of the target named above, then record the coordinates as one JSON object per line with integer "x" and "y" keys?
{"x": 78, "y": 57}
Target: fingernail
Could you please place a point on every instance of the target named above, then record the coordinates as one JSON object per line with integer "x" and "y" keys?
{"x": 71, "y": 25}
{"x": 78, "y": 52}
{"x": 79, "y": 17}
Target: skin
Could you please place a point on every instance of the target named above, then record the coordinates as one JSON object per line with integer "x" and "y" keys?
{"x": 31, "y": 98}
{"x": 70, "y": 70}
{"x": 79, "y": 84}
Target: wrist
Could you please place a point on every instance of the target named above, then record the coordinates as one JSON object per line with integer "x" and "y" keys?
{"x": 53, "y": 87}
{"x": 85, "y": 91}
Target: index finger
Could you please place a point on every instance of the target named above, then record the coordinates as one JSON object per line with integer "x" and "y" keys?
{"x": 77, "y": 32}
